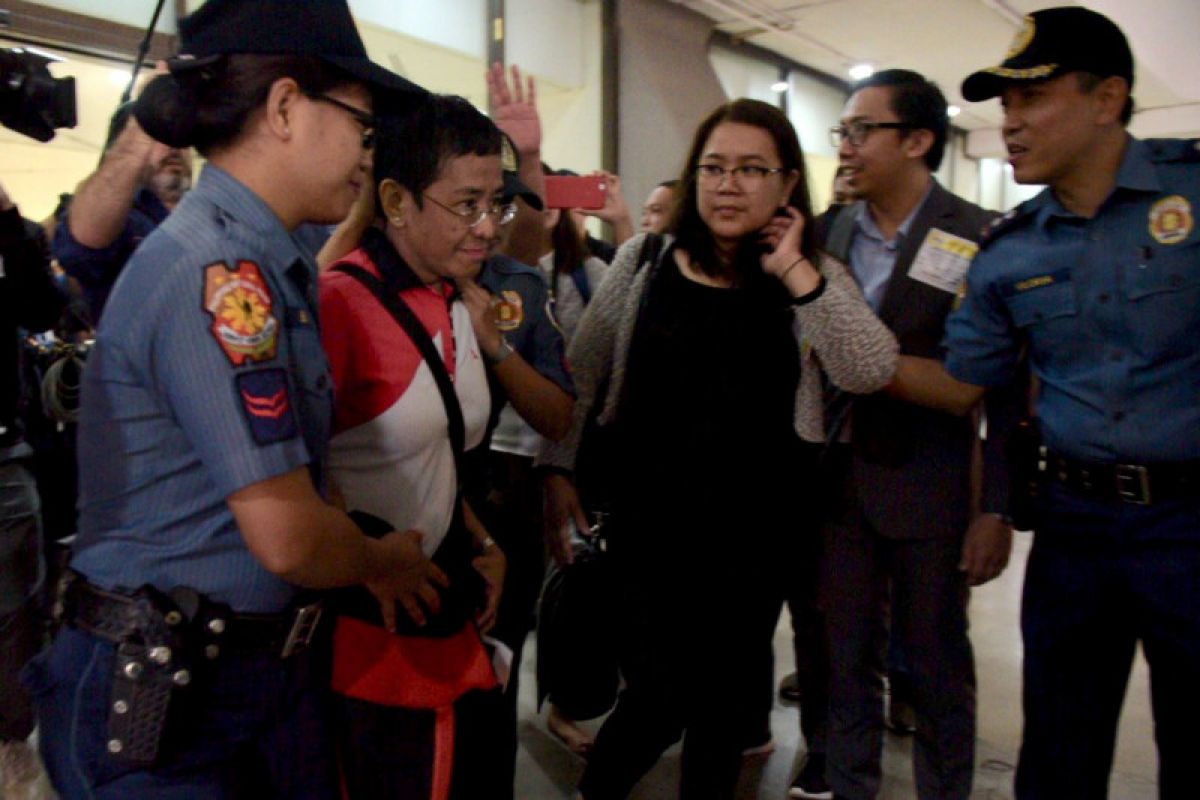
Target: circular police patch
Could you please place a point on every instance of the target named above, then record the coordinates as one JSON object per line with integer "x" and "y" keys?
{"x": 510, "y": 310}
{"x": 240, "y": 304}
{"x": 1171, "y": 219}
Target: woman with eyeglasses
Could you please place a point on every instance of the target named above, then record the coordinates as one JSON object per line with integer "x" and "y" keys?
{"x": 416, "y": 695}
{"x": 186, "y": 665}
{"x": 692, "y": 366}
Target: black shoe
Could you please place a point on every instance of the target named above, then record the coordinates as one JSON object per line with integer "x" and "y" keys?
{"x": 811, "y": 783}
{"x": 789, "y": 689}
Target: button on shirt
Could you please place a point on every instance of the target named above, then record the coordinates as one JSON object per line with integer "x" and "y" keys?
{"x": 1110, "y": 309}
{"x": 873, "y": 256}
{"x": 183, "y": 406}
{"x": 97, "y": 269}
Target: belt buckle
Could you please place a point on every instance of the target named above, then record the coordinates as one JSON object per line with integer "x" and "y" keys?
{"x": 304, "y": 625}
{"x": 1133, "y": 483}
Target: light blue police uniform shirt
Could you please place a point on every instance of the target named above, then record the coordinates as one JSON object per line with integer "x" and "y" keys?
{"x": 1110, "y": 307}
{"x": 534, "y": 334}
{"x": 872, "y": 256}
{"x": 181, "y": 407}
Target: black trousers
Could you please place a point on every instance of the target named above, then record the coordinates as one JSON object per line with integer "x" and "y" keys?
{"x": 1101, "y": 579}
{"x": 929, "y": 612}
{"x": 696, "y": 627}
{"x": 512, "y": 514}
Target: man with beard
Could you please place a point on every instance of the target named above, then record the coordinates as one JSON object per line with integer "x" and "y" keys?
{"x": 139, "y": 181}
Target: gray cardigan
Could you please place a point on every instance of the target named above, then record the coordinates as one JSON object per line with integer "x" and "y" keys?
{"x": 838, "y": 334}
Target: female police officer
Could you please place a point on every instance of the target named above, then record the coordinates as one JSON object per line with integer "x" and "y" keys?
{"x": 183, "y": 669}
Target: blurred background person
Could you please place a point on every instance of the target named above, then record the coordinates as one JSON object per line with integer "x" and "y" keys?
{"x": 30, "y": 302}
{"x": 660, "y": 203}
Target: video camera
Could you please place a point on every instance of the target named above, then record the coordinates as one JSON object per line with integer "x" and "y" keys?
{"x": 32, "y": 101}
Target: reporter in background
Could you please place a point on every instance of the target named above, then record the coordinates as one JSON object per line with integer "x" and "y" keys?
{"x": 137, "y": 184}
{"x": 30, "y": 302}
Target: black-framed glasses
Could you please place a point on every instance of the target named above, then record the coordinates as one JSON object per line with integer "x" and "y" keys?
{"x": 748, "y": 176}
{"x": 367, "y": 121}
{"x": 856, "y": 132}
{"x": 471, "y": 213}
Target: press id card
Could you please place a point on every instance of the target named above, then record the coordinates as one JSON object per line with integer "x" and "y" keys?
{"x": 942, "y": 260}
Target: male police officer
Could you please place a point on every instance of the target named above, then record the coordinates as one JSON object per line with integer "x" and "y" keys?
{"x": 1099, "y": 276}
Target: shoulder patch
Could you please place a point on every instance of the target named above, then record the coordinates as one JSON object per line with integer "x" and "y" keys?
{"x": 266, "y": 403}
{"x": 509, "y": 309}
{"x": 1167, "y": 150}
{"x": 1003, "y": 224}
{"x": 242, "y": 310}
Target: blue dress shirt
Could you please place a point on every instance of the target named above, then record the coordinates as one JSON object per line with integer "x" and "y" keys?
{"x": 97, "y": 269}
{"x": 1109, "y": 307}
{"x": 873, "y": 257}
{"x": 190, "y": 395}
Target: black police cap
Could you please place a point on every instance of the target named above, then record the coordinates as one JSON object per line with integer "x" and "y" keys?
{"x": 1053, "y": 42}
{"x": 513, "y": 186}
{"x": 319, "y": 28}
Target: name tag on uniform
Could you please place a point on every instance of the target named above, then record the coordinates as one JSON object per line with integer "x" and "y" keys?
{"x": 942, "y": 260}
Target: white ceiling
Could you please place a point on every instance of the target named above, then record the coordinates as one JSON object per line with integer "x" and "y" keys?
{"x": 948, "y": 39}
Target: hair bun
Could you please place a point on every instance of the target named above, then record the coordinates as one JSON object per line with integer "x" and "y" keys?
{"x": 167, "y": 111}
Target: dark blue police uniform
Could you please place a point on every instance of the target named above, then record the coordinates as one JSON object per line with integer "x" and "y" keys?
{"x": 1109, "y": 308}
{"x": 97, "y": 269}
{"x": 532, "y": 331}
{"x": 509, "y": 496}
{"x": 207, "y": 376}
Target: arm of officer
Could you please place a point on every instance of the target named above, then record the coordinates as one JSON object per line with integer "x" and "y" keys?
{"x": 540, "y": 401}
{"x": 926, "y": 382}
{"x": 299, "y": 537}
{"x": 103, "y": 201}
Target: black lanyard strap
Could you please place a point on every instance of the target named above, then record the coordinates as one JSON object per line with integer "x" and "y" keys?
{"x": 412, "y": 326}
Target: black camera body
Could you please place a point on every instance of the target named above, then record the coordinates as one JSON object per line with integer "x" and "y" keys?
{"x": 32, "y": 101}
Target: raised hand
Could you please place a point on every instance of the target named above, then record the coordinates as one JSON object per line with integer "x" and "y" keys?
{"x": 514, "y": 109}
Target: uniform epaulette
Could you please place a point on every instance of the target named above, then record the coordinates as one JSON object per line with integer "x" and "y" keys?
{"x": 1003, "y": 224}
{"x": 1164, "y": 150}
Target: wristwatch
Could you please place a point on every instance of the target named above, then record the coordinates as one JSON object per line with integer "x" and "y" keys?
{"x": 502, "y": 352}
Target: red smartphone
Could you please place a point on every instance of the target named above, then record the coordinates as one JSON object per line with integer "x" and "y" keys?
{"x": 575, "y": 191}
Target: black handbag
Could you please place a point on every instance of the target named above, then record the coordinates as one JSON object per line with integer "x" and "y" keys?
{"x": 466, "y": 593}
{"x": 576, "y": 638}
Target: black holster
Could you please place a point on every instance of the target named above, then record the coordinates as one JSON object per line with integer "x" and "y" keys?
{"x": 1027, "y": 467}
{"x": 156, "y": 653}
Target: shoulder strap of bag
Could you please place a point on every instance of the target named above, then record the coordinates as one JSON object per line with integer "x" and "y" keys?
{"x": 407, "y": 320}
{"x": 580, "y": 278}
{"x": 649, "y": 258}
{"x": 841, "y": 232}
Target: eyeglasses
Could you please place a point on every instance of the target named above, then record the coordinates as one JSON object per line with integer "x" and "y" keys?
{"x": 856, "y": 132}
{"x": 470, "y": 212}
{"x": 367, "y": 121}
{"x": 747, "y": 176}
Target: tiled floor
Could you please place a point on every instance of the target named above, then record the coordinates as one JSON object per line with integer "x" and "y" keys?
{"x": 546, "y": 771}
